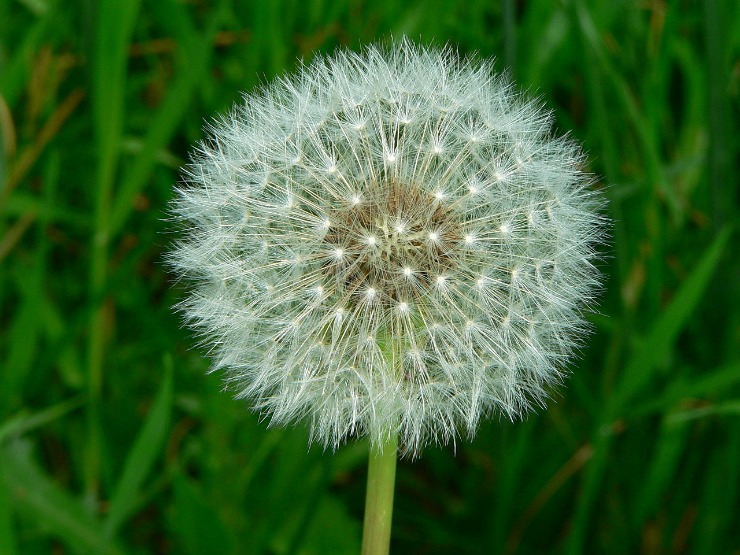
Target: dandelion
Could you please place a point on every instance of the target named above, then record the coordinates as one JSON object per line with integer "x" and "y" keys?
{"x": 389, "y": 244}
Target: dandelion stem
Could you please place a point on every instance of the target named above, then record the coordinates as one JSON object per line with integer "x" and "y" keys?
{"x": 381, "y": 478}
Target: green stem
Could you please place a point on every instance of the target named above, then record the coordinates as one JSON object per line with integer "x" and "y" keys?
{"x": 381, "y": 478}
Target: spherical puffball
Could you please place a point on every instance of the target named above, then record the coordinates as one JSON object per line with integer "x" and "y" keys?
{"x": 388, "y": 242}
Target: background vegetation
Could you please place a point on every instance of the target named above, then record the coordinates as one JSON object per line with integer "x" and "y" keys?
{"x": 113, "y": 440}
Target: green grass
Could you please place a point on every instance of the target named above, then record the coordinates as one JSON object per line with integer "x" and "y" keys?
{"x": 113, "y": 439}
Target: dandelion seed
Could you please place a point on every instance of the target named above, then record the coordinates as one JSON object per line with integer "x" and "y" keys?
{"x": 388, "y": 321}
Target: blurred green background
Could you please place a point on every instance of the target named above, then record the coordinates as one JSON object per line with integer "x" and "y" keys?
{"x": 113, "y": 440}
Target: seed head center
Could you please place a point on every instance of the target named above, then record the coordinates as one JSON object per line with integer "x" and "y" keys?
{"x": 395, "y": 242}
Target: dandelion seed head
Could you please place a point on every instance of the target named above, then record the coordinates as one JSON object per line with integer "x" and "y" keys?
{"x": 390, "y": 240}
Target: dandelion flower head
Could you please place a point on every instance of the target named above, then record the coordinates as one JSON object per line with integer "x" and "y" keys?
{"x": 388, "y": 242}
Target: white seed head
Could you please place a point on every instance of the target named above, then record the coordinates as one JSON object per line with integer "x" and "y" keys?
{"x": 388, "y": 241}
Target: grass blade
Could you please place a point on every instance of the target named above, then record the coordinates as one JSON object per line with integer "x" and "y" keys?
{"x": 710, "y": 383}
{"x": 39, "y": 498}
{"x": 193, "y": 60}
{"x": 196, "y": 523}
{"x": 662, "y": 337}
{"x": 115, "y": 25}
{"x": 23, "y": 423}
{"x": 7, "y": 530}
{"x": 639, "y": 369}
{"x": 142, "y": 456}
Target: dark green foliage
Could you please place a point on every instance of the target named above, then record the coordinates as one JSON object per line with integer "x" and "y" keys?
{"x": 114, "y": 440}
